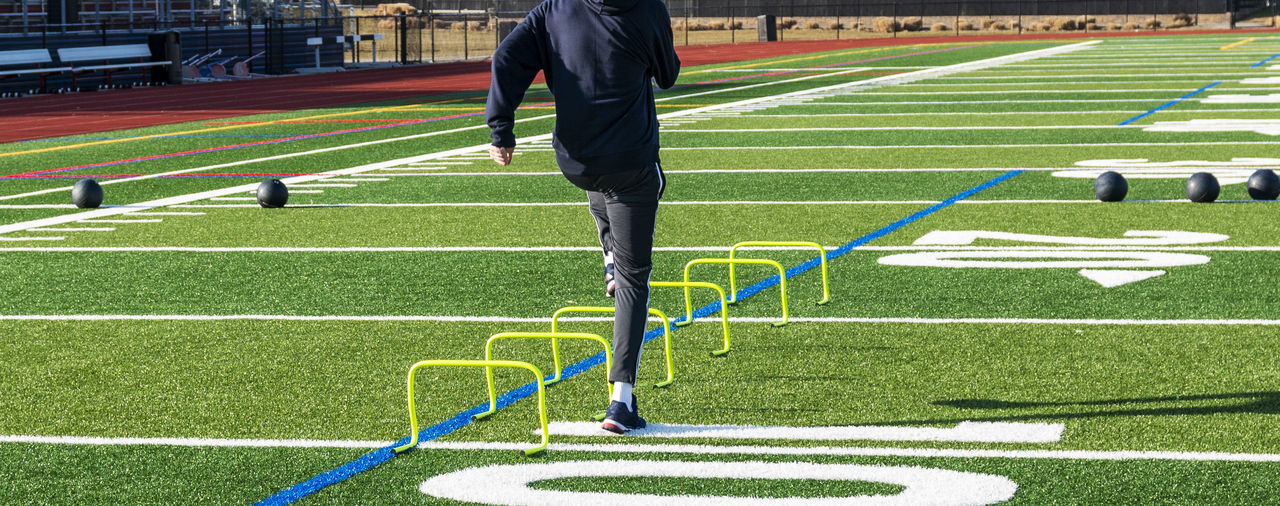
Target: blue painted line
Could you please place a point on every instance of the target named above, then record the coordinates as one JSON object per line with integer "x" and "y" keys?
{"x": 1264, "y": 62}
{"x": 1168, "y": 104}
{"x": 374, "y": 458}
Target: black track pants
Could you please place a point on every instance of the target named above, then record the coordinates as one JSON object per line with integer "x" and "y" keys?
{"x": 625, "y": 207}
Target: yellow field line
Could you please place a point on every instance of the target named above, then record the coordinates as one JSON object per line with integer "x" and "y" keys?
{"x": 1238, "y": 43}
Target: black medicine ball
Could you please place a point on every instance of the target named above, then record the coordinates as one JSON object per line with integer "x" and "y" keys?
{"x": 272, "y": 193}
{"x": 86, "y": 193}
{"x": 1202, "y": 187}
{"x": 1110, "y": 187}
{"x": 1264, "y": 185}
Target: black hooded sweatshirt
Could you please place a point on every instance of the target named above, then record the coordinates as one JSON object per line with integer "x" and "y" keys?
{"x": 598, "y": 57}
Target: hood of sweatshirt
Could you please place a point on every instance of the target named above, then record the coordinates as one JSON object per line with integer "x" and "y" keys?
{"x": 613, "y": 7}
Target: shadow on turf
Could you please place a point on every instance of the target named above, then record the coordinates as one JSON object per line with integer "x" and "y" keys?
{"x": 1261, "y": 403}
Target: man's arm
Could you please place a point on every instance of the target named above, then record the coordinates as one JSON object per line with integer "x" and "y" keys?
{"x": 515, "y": 64}
{"x": 665, "y": 65}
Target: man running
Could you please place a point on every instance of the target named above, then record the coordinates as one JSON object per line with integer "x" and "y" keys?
{"x": 598, "y": 58}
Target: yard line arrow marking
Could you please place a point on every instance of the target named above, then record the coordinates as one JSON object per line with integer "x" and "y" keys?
{"x": 1114, "y": 278}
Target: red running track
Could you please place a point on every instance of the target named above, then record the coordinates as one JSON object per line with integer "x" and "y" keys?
{"x": 45, "y": 116}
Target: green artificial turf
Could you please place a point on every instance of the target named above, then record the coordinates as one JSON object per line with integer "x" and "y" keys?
{"x": 300, "y": 323}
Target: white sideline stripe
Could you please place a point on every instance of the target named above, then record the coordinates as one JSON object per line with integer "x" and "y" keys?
{"x": 515, "y": 319}
{"x": 325, "y": 185}
{"x": 47, "y": 238}
{"x": 965, "y": 432}
{"x": 361, "y": 179}
{"x": 185, "y": 441}
{"x": 250, "y": 199}
{"x": 168, "y": 213}
{"x": 868, "y": 452}
{"x": 186, "y": 199}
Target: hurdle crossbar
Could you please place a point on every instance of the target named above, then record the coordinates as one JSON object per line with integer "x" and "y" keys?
{"x": 822, "y": 255}
{"x": 488, "y": 365}
{"x": 554, "y": 336}
{"x": 782, "y": 276}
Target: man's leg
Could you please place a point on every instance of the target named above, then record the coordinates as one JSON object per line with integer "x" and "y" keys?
{"x": 632, "y": 208}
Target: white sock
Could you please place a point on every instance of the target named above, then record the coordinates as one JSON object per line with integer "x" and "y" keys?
{"x": 622, "y": 393}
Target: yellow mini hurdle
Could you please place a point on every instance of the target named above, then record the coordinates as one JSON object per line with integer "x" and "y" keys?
{"x": 782, "y": 276}
{"x": 688, "y": 306}
{"x": 553, "y": 336}
{"x": 488, "y": 365}
{"x": 822, "y": 254}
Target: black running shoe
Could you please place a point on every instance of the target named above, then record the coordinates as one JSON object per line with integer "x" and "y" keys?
{"x": 620, "y": 420}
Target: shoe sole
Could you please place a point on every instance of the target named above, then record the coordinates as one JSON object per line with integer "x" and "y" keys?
{"x": 614, "y": 427}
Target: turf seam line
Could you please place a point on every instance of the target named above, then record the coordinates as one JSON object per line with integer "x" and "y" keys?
{"x": 377, "y": 457}
{"x": 1168, "y": 104}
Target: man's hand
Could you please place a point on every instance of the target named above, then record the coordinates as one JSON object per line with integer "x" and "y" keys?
{"x": 501, "y": 155}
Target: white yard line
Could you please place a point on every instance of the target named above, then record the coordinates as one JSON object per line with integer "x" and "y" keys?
{"x": 187, "y": 441}
{"x": 514, "y": 319}
{"x": 964, "y": 432}
{"x": 545, "y": 249}
{"x": 631, "y": 447}
{"x": 868, "y": 452}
